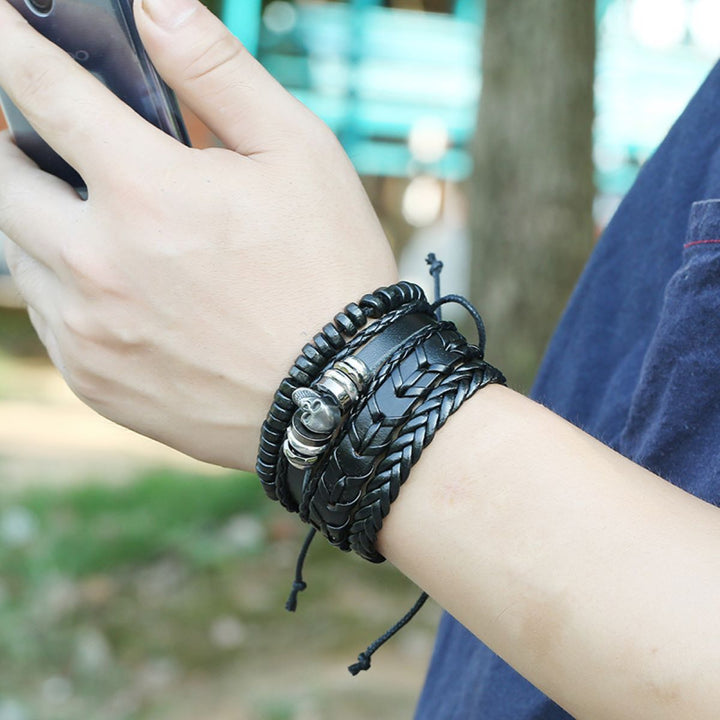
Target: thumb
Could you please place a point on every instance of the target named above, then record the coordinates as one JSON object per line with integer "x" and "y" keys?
{"x": 213, "y": 73}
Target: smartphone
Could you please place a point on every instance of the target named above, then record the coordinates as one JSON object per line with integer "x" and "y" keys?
{"x": 100, "y": 35}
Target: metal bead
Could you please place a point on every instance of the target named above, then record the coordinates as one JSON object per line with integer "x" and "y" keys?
{"x": 303, "y": 448}
{"x": 319, "y": 413}
{"x": 339, "y": 386}
{"x": 296, "y": 460}
{"x": 355, "y": 369}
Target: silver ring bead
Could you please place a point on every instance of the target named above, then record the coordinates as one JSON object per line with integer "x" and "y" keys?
{"x": 340, "y": 386}
{"x": 301, "y": 446}
{"x": 295, "y": 459}
{"x": 355, "y": 369}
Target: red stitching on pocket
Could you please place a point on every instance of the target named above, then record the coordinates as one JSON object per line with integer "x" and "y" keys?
{"x": 702, "y": 242}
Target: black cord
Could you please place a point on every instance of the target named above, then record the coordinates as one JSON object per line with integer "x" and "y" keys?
{"x": 436, "y": 267}
{"x": 363, "y": 662}
{"x": 299, "y": 584}
{"x": 479, "y": 324}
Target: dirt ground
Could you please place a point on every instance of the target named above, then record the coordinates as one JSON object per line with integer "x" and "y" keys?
{"x": 47, "y": 436}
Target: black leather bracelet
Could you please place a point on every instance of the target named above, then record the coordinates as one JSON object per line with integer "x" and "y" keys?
{"x": 374, "y": 355}
{"x": 309, "y": 365}
{"x": 366, "y": 437}
{"x": 355, "y": 412}
{"x": 466, "y": 378}
{"x": 443, "y": 358}
{"x": 369, "y": 345}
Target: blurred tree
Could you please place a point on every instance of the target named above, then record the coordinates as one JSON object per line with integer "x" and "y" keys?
{"x": 532, "y": 192}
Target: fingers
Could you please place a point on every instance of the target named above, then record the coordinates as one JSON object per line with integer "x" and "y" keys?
{"x": 32, "y": 204}
{"x": 82, "y": 120}
{"x": 216, "y": 76}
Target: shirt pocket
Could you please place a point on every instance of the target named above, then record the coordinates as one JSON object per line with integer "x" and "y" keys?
{"x": 673, "y": 426}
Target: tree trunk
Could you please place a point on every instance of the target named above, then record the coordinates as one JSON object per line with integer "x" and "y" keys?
{"x": 532, "y": 193}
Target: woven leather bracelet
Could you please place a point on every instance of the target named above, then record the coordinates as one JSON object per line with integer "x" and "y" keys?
{"x": 309, "y": 365}
{"x": 359, "y": 360}
{"x": 375, "y": 356}
{"x": 355, "y": 413}
{"x": 430, "y": 376}
{"x": 466, "y": 378}
{"x": 401, "y": 385}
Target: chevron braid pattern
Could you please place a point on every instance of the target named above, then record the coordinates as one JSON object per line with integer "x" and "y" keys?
{"x": 385, "y": 371}
{"x": 317, "y": 355}
{"x": 284, "y": 396}
{"x": 330, "y": 503}
{"x": 415, "y": 435}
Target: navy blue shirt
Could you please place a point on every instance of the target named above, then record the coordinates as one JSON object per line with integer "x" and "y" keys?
{"x": 635, "y": 362}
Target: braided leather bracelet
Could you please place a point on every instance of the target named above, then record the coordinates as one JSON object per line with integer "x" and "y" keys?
{"x": 356, "y": 411}
{"x": 401, "y": 385}
{"x": 415, "y": 435}
{"x": 308, "y": 366}
{"x": 387, "y": 337}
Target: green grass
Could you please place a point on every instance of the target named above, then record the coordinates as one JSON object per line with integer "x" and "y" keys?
{"x": 138, "y": 593}
{"x": 95, "y": 528}
{"x": 17, "y": 336}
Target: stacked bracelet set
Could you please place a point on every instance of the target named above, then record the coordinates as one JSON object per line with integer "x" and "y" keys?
{"x": 355, "y": 412}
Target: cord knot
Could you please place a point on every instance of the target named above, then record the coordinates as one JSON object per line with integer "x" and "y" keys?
{"x": 297, "y": 587}
{"x": 436, "y": 265}
{"x": 363, "y": 663}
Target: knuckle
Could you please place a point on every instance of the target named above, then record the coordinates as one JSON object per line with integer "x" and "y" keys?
{"x": 92, "y": 274}
{"x": 221, "y": 54}
{"x": 80, "y": 326}
{"x": 127, "y": 334}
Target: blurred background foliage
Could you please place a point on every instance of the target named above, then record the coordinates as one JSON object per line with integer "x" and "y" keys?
{"x": 136, "y": 584}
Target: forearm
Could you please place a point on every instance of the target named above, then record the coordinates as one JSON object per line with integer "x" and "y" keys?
{"x": 594, "y": 578}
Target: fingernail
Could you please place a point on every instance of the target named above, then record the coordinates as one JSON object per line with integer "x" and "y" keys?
{"x": 169, "y": 14}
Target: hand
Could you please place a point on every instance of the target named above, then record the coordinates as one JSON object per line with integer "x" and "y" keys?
{"x": 176, "y": 297}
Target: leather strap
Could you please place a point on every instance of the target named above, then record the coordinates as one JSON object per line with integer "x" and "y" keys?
{"x": 330, "y": 506}
{"x": 375, "y": 353}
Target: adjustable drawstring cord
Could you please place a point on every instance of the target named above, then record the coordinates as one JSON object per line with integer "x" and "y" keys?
{"x": 460, "y": 300}
{"x": 364, "y": 657}
{"x": 436, "y": 267}
{"x": 299, "y": 584}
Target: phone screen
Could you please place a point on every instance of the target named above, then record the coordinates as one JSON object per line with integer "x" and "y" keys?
{"x": 101, "y": 36}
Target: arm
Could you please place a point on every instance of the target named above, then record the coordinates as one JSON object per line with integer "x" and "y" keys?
{"x": 594, "y": 578}
{"x": 179, "y": 319}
